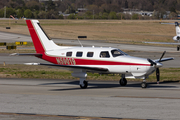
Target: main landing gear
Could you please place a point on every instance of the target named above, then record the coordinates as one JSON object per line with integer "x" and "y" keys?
{"x": 82, "y": 83}
{"x": 85, "y": 85}
{"x": 82, "y": 77}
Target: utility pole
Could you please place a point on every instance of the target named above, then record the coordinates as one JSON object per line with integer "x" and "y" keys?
{"x": 4, "y": 11}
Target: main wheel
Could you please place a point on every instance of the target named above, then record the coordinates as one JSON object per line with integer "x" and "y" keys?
{"x": 123, "y": 82}
{"x": 143, "y": 84}
{"x": 177, "y": 48}
{"x": 85, "y": 85}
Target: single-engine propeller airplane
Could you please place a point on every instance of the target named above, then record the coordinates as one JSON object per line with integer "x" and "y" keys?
{"x": 175, "y": 38}
{"x": 90, "y": 59}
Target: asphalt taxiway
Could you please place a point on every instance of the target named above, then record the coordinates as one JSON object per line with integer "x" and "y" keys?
{"x": 100, "y": 99}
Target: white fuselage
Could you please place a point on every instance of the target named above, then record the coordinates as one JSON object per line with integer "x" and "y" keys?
{"x": 132, "y": 67}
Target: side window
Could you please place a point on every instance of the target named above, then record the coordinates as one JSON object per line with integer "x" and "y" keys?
{"x": 79, "y": 54}
{"x": 69, "y": 54}
{"x": 104, "y": 54}
{"x": 90, "y": 54}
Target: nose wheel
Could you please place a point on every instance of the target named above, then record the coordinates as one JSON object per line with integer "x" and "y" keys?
{"x": 123, "y": 82}
{"x": 143, "y": 84}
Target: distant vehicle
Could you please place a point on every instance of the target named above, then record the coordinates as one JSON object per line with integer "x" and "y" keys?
{"x": 175, "y": 38}
{"x": 91, "y": 59}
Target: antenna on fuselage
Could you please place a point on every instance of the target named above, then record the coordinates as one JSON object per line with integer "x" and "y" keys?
{"x": 79, "y": 40}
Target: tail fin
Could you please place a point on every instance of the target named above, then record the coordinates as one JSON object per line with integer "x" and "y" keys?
{"x": 177, "y": 29}
{"x": 41, "y": 41}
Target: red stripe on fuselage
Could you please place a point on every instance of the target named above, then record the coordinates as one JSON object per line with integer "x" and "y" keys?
{"x": 79, "y": 61}
{"x": 35, "y": 38}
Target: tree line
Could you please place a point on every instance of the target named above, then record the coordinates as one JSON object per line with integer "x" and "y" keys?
{"x": 96, "y": 9}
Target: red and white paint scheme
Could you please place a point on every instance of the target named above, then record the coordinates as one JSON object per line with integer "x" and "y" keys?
{"x": 90, "y": 59}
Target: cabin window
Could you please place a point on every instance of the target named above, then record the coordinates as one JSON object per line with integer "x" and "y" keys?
{"x": 79, "y": 54}
{"x": 104, "y": 54}
{"x": 90, "y": 54}
{"x": 69, "y": 54}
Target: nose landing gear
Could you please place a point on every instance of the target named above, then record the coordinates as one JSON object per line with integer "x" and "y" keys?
{"x": 144, "y": 84}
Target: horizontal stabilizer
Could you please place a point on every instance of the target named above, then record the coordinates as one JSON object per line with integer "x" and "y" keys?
{"x": 165, "y": 43}
{"x": 70, "y": 66}
{"x": 26, "y": 54}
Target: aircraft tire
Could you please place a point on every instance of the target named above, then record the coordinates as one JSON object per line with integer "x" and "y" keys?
{"x": 85, "y": 85}
{"x": 143, "y": 84}
{"x": 177, "y": 48}
{"x": 123, "y": 82}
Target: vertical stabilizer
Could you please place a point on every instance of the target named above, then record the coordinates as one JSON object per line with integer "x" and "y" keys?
{"x": 177, "y": 29}
{"x": 41, "y": 41}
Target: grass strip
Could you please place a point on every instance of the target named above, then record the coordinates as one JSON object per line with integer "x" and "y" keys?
{"x": 43, "y": 72}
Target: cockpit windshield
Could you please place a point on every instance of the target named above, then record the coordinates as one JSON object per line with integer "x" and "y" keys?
{"x": 117, "y": 52}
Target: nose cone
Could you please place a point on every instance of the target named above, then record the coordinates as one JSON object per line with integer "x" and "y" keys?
{"x": 158, "y": 65}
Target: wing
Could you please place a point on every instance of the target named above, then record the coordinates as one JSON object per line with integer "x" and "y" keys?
{"x": 88, "y": 69}
{"x": 167, "y": 43}
{"x": 70, "y": 67}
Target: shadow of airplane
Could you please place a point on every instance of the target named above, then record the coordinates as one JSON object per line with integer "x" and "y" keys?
{"x": 97, "y": 85}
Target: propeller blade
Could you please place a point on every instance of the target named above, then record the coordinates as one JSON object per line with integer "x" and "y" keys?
{"x": 152, "y": 62}
{"x": 162, "y": 56}
{"x": 157, "y": 75}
